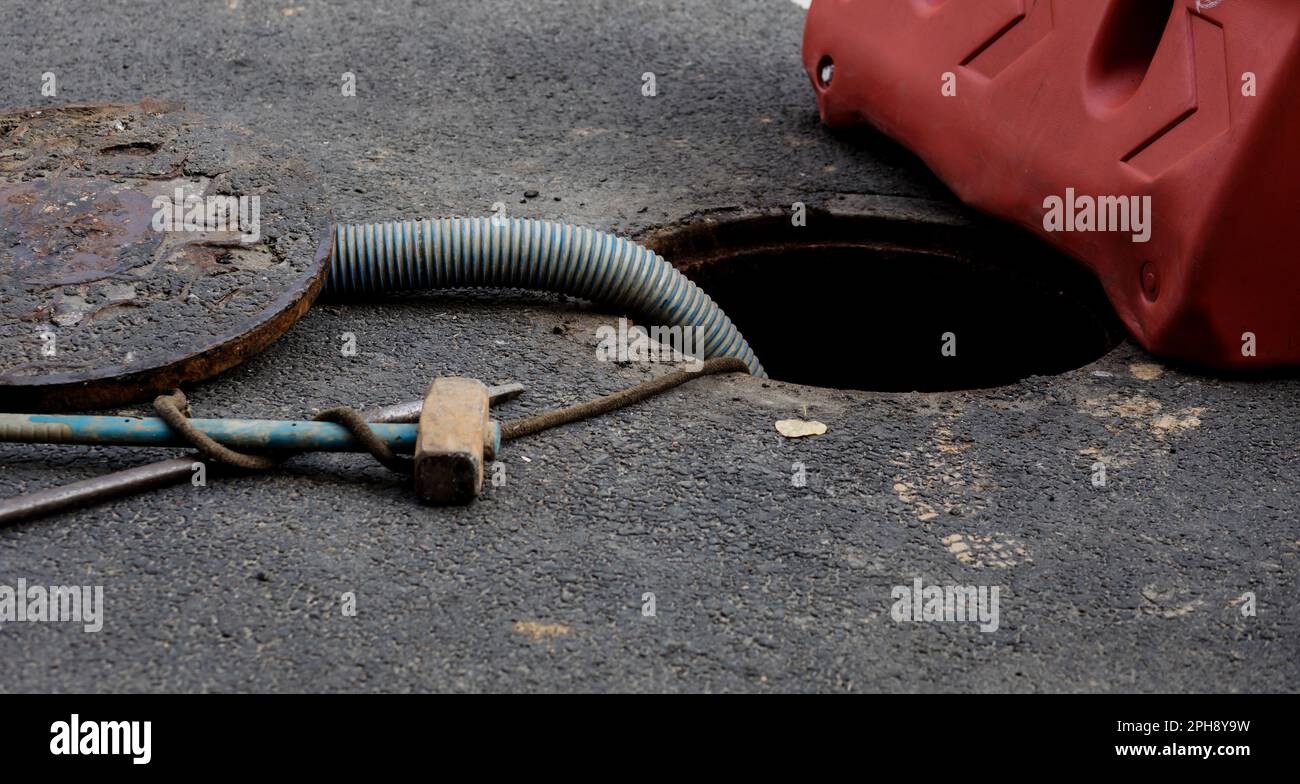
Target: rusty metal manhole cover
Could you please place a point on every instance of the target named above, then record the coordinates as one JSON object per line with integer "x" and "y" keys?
{"x": 143, "y": 246}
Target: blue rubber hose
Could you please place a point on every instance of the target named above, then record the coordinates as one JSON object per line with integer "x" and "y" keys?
{"x": 530, "y": 254}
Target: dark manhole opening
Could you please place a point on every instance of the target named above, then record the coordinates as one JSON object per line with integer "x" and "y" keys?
{"x": 895, "y": 303}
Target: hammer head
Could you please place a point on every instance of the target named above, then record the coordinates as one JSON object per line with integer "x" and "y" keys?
{"x": 453, "y": 441}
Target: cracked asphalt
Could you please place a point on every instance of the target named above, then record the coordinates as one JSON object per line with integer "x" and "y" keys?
{"x": 758, "y": 585}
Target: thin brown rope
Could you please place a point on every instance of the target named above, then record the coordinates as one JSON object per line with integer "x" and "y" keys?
{"x": 624, "y": 397}
{"x": 171, "y": 408}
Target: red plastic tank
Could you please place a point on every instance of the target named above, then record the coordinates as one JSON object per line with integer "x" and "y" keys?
{"x": 1082, "y": 120}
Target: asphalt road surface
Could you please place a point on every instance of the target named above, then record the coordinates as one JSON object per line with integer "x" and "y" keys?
{"x": 543, "y": 583}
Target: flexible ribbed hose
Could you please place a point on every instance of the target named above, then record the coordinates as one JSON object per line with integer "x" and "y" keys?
{"x": 531, "y": 254}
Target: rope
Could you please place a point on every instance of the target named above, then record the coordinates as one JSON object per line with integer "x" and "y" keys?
{"x": 360, "y": 430}
{"x": 624, "y": 397}
{"x": 170, "y": 408}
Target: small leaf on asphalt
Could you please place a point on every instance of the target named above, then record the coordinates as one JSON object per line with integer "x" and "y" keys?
{"x": 798, "y": 428}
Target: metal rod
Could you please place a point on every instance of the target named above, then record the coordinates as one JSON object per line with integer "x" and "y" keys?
{"x": 99, "y": 488}
{"x": 410, "y": 410}
{"x": 242, "y": 434}
{"x": 177, "y": 470}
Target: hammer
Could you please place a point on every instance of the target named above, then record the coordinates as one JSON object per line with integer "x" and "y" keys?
{"x": 454, "y": 438}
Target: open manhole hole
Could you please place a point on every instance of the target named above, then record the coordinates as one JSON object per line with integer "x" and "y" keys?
{"x": 895, "y": 300}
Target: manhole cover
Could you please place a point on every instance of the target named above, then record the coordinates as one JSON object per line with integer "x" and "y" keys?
{"x": 894, "y": 297}
{"x": 143, "y": 246}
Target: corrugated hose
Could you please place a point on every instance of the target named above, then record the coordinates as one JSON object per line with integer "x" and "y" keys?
{"x": 531, "y": 254}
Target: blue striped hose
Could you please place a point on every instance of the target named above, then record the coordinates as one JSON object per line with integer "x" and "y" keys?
{"x": 530, "y": 254}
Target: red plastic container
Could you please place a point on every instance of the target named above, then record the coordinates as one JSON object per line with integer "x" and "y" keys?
{"x": 1017, "y": 104}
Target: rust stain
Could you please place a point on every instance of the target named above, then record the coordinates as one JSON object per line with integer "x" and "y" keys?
{"x": 1143, "y": 414}
{"x": 537, "y": 631}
